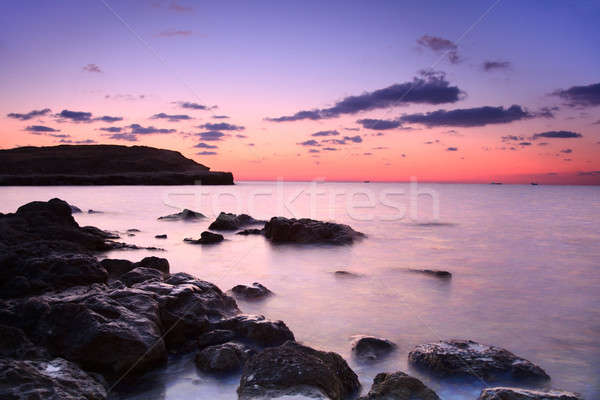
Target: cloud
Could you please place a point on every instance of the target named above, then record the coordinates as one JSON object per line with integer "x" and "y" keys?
{"x": 546, "y": 112}
{"x": 379, "y": 124}
{"x": 314, "y": 151}
{"x": 221, "y": 126}
{"x": 85, "y": 141}
{"x": 469, "y": 117}
{"x": 441, "y": 45}
{"x": 239, "y": 135}
{"x": 452, "y": 149}
{"x": 355, "y": 139}
{"x": 589, "y": 173}
{"x": 556, "y": 135}
{"x": 310, "y": 142}
{"x": 38, "y": 129}
{"x": 326, "y": 133}
{"x": 352, "y": 129}
{"x": 174, "y": 32}
{"x": 509, "y": 138}
{"x": 112, "y": 129}
{"x": 211, "y": 135}
{"x": 129, "y": 137}
{"x": 525, "y": 144}
{"x": 582, "y": 96}
{"x": 59, "y": 135}
{"x": 220, "y": 117}
{"x": 29, "y": 115}
{"x": 92, "y": 68}
{"x": 489, "y": 66}
{"x": 137, "y": 129}
{"x": 174, "y": 6}
{"x": 207, "y": 153}
{"x": 193, "y": 106}
{"x": 206, "y": 146}
{"x": 566, "y": 151}
{"x": 330, "y": 149}
{"x": 108, "y": 118}
{"x": 75, "y": 116}
{"x": 171, "y": 117}
{"x": 429, "y": 88}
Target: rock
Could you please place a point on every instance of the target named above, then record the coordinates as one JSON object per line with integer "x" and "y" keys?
{"x": 434, "y": 272}
{"x": 280, "y": 229}
{"x": 90, "y": 211}
{"x": 185, "y": 215}
{"x": 369, "y": 348}
{"x": 252, "y": 231}
{"x": 75, "y": 209}
{"x": 163, "y": 236}
{"x": 116, "y": 268}
{"x": 57, "y": 379}
{"x": 160, "y": 264}
{"x": 15, "y": 344}
{"x": 225, "y": 358}
{"x": 399, "y": 386}
{"x": 254, "y": 292}
{"x": 468, "y": 358}
{"x": 206, "y": 237}
{"x": 295, "y": 369}
{"x": 507, "y": 393}
{"x": 133, "y": 230}
{"x": 257, "y": 329}
{"x": 232, "y": 222}
{"x": 346, "y": 274}
{"x": 216, "y": 336}
{"x": 139, "y": 275}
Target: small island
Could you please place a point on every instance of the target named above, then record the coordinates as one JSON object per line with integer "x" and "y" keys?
{"x": 103, "y": 165}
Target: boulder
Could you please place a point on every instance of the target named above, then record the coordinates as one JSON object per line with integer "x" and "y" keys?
{"x": 370, "y": 348}
{"x": 215, "y": 337}
{"x": 160, "y": 264}
{"x": 399, "y": 386}
{"x": 469, "y": 358}
{"x": 75, "y": 209}
{"x": 15, "y": 344}
{"x": 115, "y": 267}
{"x": 206, "y": 237}
{"x": 257, "y": 329}
{"x": 254, "y": 292}
{"x": 281, "y": 230}
{"x": 162, "y": 236}
{"x": 507, "y": 393}
{"x": 139, "y": 275}
{"x": 232, "y": 222}
{"x": 251, "y": 231}
{"x": 346, "y": 274}
{"x": 185, "y": 215}
{"x": 57, "y": 379}
{"x": 296, "y": 369}
{"x": 224, "y": 358}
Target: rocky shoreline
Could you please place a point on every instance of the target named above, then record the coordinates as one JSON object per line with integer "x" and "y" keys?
{"x": 73, "y": 326}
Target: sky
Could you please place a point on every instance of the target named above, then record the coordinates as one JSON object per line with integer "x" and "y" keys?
{"x": 466, "y": 91}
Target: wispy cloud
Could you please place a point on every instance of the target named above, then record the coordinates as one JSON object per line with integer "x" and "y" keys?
{"x": 30, "y": 114}
{"x": 469, "y": 117}
{"x": 92, "y": 68}
{"x": 580, "y": 96}
{"x": 175, "y": 32}
{"x": 171, "y": 117}
{"x": 39, "y": 129}
{"x": 489, "y": 66}
{"x": 557, "y": 135}
{"x": 441, "y": 45}
{"x": 221, "y": 126}
{"x": 326, "y": 133}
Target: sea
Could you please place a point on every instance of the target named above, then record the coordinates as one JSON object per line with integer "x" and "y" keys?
{"x": 525, "y": 264}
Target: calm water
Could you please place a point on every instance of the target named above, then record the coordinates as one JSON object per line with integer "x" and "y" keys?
{"x": 525, "y": 263}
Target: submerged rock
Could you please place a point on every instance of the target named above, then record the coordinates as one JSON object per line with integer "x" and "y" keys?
{"x": 227, "y": 357}
{"x": 95, "y": 212}
{"x": 254, "y": 292}
{"x": 468, "y": 358}
{"x": 162, "y": 236}
{"x": 433, "y": 272}
{"x": 296, "y": 369}
{"x": 251, "y": 231}
{"x": 399, "y": 386}
{"x": 507, "y": 393}
{"x": 232, "y": 222}
{"x": 206, "y": 237}
{"x": 280, "y": 229}
{"x": 185, "y": 215}
{"x": 369, "y": 348}
{"x": 346, "y": 274}
{"x": 57, "y": 379}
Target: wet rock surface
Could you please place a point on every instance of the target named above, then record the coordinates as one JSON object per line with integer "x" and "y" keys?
{"x": 370, "y": 348}
{"x": 223, "y": 358}
{"x": 257, "y": 330}
{"x": 296, "y": 369}
{"x": 469, "y": 358}
{"x": 232, "y": 222}
{"x": 399, "y": 386}
{"x": 184, "y": 215}
{"x": 254, "y": 292}
{"x": 281, "y": 230}
{"x": 507, "y": 393}
{"x": 206, "y": 237}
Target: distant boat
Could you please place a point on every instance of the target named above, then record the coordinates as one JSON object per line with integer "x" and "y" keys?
{"x": 534, "y": 183}
{"x": 496, "y": 183}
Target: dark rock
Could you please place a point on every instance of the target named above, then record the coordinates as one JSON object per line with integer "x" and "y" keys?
{"x": 280, "y": 229}
{"x": 507, "y": 393}
{"x": 224, "y": 358}
{"x": 99, "y": 232}
{"x": 185, "y": 215}
{"x": 95, "y": 212}
{"x": 346, "y": 274}
{"x": 116, "y": 268}
{"x": 252, "y": 231}
{"x": 133, "y": 230}
{"x": 160, "y": 264}
{"x": 57, "y": 379}
{"x": 139, "y": 275}
{"x": 369, "y": 348}
{"x": 75, "y": 209}
{"x": 163, "y": 236}
{"x": 434, "y": 272}
{"x": 232, "y": 222}
{"x": 257, "y": 329}
{"x": 254, "y": 292}
{"x": 468, "y": 358}
{"x": 214, "y": 337}
{"x": 295, "y": 369}
{"x": 206, "y": 237}
{"x": 399, "y": 386}
{"x": 15, "y": 344}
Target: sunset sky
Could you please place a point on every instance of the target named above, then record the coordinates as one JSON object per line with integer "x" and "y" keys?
{"x": 469, "y": 91}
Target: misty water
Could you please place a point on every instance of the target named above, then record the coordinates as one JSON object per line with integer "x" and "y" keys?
{"x": 525, "y": 262}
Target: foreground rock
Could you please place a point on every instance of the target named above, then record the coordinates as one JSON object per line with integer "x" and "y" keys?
{"x": 232, "y": 222}
{"x": 369, "y": 348}
{"x": 295, "y": 369}
{"x": 185, "y": 215}
{"x": 506, "y": 393}
{"x": 399, "y": 386}
{"x": 57, "y": 379}
{"x": 117, "y": 268}
{"x": 224, "y": 358}
{"x": 206, "y": 237}
{"x": 468, "y": 358}
{"x": 280, "y": 229}
{"x": 254, "y": 292}
{"x": 256, "y": 329}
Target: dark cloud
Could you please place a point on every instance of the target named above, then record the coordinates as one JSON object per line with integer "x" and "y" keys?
{"x": 206, "y": 146}
{"x": 557, "y": 135}
{"x": 221, "y": 126}
{"x": 29, "y": 115}
{"x": 313, "y": 151}
{"x": 352, "y": 129}
{"x": 108, "y": 118}
{"x": 589, "y": 173}
{"x": 92, "y": 68}
{"x": 310, "y": 142}
{"x": 379, "y": 124}
{"x": 239, "y": 135}
{"x": 525, "y": 144}
{"x": 40, "y": 129}
{"x": 75, "y": 116}
{"x": 211, "y": 135}
{"x": 355, "y": 139}
{"x": 129, "y": 137}
{"x": 207, "y": 153}
{"x": 193, "y": 106}
{"x": 452, "y": 149}
{"x": 85, "y": 141}
{"x": 429, "y": 88}
{"x": 175, "y": 32}
{"x": 489, "y": 66}
{"x": 512, "y": 138}
{"x": 171, "y": 117}
{"x": 469, "y": 117}
{"x": 547, "y": 112}
{"x": 330, "y": 149}
{"x": 137, "y": 129}
{"x": 59, "y": 135}
{"x": 112, "y": 129}
{"x": 543, "y": 144}
{"x": 326, "y": 133}
{"x": 220, "y": 117}
{"x": 566, "y": 151}
{"x": 582, "y": 96}
{"x": 441, "y": 45}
